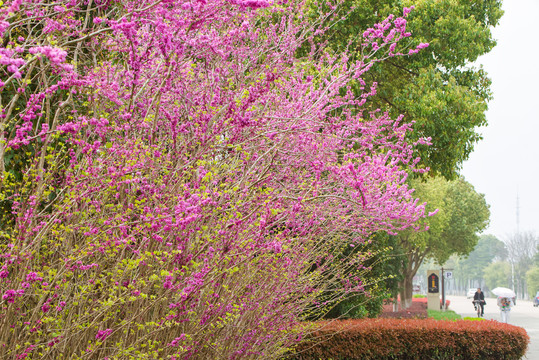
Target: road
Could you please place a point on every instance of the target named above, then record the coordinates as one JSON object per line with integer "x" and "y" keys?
{"x": 523, "y": 315}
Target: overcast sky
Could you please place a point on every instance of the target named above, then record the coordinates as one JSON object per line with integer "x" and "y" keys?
{"x": 506, "y": 161}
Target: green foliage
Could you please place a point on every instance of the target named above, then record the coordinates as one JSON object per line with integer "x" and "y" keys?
{"x": 443, "y": 315}
{"x": 437, "y": 88}
{"x": 468, "y": 214}
{"x": 497, "y": 274}
{"x": 380, "y": 282}
{"x": 453, "y": 230}
{"x": 357, "y": 307}
{"x": 473, "y": 266}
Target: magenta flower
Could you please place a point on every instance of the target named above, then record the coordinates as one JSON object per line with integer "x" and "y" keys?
{"x": 434, "y": 212}
{"x": 33, "y": 277}
{"x": 176, "y": 341}
{"x": 103, "y": 334}
{"x": 11, "y": 294}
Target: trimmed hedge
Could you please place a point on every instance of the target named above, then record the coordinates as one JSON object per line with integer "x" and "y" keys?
{"x": 418, "y": 310}
{"x": 377, "y": 339}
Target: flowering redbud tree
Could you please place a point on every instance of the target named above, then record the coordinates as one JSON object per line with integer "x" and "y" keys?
{"x": 177, "y": 182}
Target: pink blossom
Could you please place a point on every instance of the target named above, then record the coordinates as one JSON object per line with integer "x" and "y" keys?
{"x": 177, "y": 340}
{"x": 103, "y": 334}
{"x": 3, "y": 26}
{"x": 33, "y": 277}
{"x": 11, "y": 294}
{"x": 55, "y": 55}
{"x": 407, "y": 11}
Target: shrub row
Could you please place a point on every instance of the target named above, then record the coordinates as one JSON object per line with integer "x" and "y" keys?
{"x": 377, "y": 339}
{"x": 418, "y": 310}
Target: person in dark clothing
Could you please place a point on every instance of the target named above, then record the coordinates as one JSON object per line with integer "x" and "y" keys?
{"x": 481, "y": 297}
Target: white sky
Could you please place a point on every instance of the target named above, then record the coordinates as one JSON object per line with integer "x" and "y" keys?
{"x": 507, "y": 160}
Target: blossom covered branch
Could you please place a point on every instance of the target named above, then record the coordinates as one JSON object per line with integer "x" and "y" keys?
{"x": 177, "y": 182}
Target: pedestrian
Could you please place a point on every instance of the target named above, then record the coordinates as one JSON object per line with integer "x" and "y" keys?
{"x": 505, "y": 304}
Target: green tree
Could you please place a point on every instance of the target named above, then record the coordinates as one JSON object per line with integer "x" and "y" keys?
{"x": 532, "y": 279}
{"x": 462, "y": 214}
{"x": 437, "y": 88}
{"x": 532, "y": 276}
{"x": 497, "y": 274}
{"x": 536, "y": 257}
{"x": 488, "y": 249}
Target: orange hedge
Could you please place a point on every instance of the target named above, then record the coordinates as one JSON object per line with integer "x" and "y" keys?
{"x": 413, "y": 339}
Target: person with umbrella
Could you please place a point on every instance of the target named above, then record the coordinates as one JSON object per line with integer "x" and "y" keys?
{"x": 505, "y": 302}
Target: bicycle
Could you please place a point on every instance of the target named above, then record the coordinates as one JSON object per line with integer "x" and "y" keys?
{"x": 477, "y": 306}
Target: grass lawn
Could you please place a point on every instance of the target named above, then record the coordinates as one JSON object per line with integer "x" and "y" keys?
{"x": 443, "y": 315}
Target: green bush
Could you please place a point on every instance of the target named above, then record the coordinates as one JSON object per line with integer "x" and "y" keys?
{"x": 407, "y": 339}
{"x": 419, "y": 296}
{"x": 349, "y": 310}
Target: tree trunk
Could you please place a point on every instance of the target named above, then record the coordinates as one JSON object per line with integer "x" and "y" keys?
{"x": 412, "y": 265}
{"x": 407, "y": 290}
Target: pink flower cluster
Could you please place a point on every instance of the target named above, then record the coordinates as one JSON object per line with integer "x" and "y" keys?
{"x": 11, "y": 294}
{"x": 8, "y": 57}
{"x": 103, "y": 334}
{"x": 55, "y": 55}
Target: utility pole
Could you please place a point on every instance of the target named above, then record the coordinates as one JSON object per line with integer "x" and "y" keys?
{"x": 443, "y": 290}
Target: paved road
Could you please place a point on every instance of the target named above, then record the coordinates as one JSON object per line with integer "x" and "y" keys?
{"x": 523, "y": 314}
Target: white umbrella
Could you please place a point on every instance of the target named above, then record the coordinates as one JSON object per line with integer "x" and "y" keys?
{"x": 503, "y": 292}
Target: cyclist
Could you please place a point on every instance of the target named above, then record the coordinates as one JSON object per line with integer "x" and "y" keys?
{"x": 480, "y": 297}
